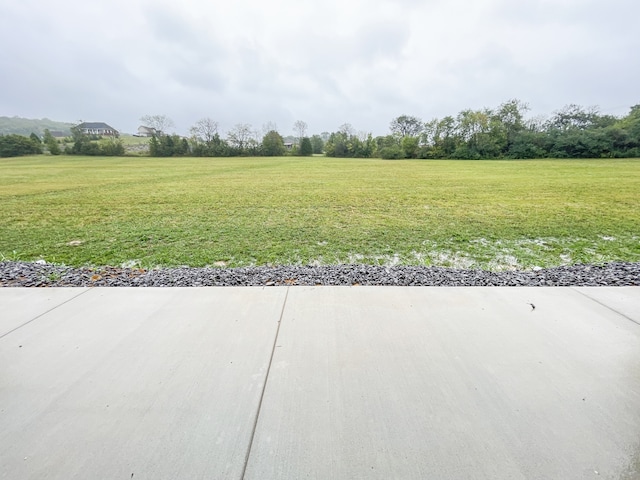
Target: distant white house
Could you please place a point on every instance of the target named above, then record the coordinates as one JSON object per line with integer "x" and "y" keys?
{"x": 146, "y": 131}
{"x": 97, "y": 128}
{"x": 288, "y": 145}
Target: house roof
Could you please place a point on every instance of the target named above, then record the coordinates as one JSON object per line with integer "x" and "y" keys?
{"x": 96, "y": 125}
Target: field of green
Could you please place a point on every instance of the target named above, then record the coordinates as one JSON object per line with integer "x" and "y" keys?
{"x": 232, "y": 212}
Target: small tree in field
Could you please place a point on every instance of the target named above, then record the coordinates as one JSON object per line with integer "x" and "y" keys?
{"x": 306, "y": 149}
{"x": 272, "y": 144}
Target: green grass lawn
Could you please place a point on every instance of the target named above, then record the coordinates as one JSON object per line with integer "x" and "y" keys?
{"x": 259, "y": 211}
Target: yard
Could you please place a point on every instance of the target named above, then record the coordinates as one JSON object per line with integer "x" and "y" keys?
{"x": 258, "y": 211}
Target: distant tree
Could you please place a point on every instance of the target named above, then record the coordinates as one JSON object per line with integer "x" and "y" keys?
{"x": 300, "y": 129}
{"x": 168, "y": 146}
{"x": 406, "y": 126}
{"x": 573, "y": 116}
{"x": 47, "y": 137}
{"x": 154, "y": 147}
{"x": 336, "y": 145}
{"x": 89, "y": 145}
{"x": 349, "y": 145}
{"x": 17, "y": 145}
{"x": 510, "y": 117}
{"x": 81, "y": 143}
{"x": 35, "y": 138}
{"x": 51, "y": 143}
{"x": 205, "y": 140}
{"x": 161, "y": 123}
{"x": 481, "y": 134}
{"x": 626, "y": 134}
{"x": 511, "y": 114}
{"x": 306, "y": 149}
{"x": 347, "y": 129}
{"x": 317, "y": 144}
{"x": 387, "y": 141}
{"x": 368, "y": 147}
{"x": 205, "y": 130}
{"x": 273, "y": 144}
{"x": 409, "y": 146}
{"x": 527, "y": 143}
{"x": 269, "y": 127}
{"x": 181, "y": 147}
{"x": 111, "y": 147}
{"x": 445, "y": 138}
{"x": 576, "y": 132}
{"x": 254, "y": 147}
{"x": 239, "y": 137}
{"x": 393, "y": 152}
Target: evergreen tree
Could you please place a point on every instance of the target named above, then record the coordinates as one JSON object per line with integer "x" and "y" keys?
{"x": 306, "y": 149}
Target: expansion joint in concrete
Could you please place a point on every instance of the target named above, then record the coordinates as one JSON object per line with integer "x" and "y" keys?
{"x": 607, "y": 307}
{"x": 43, "y": 313}
{"x": 264, "y": 386}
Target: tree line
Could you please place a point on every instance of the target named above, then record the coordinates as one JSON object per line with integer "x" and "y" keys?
{"x": 502, "y": 132}
{"x": 241, "y": 140}
{"x": 78, "y": 143}
{"x": 505, "y": 132}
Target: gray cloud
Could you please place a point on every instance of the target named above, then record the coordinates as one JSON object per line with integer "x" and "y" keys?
{"x": 340, "y": 62}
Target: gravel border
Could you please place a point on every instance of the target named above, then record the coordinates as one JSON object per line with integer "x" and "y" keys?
{"x": 37, "y": 274}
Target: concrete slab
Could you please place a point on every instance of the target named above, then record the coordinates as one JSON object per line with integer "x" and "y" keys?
{"x": 455, "y": 383}
{"x": 624, "y": 300}
{"x": 136, "y": 383}
{"x": 21, "y": 305}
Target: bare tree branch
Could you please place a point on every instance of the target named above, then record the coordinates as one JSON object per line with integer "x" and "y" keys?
{"x": 160, "y": 123}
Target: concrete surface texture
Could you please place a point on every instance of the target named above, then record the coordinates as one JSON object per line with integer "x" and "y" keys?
{"x": 320, "y": 382}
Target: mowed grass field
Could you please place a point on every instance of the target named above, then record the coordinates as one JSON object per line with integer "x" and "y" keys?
{"x": 233, "y": 212}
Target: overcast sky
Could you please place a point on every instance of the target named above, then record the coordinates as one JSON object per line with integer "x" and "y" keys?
{"x": 325, "y": 62}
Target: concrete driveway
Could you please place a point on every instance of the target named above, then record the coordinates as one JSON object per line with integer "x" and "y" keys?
{"x": 320, "y": 382}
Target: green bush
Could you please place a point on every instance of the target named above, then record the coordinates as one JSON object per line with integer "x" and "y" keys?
{"x": 391, "y": 153}
{"x": 17, "y": 145}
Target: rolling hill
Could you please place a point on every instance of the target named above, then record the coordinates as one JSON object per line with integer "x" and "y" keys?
{"x": 25, "y": 126}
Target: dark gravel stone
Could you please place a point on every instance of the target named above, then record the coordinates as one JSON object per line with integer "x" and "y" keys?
{"x": 37, "y": 274}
